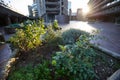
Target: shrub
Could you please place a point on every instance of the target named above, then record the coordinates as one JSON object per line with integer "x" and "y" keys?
{"x": 52, "y": 37}
{"x": 55, "y": 25}
{"x": 75, "y": 61}
{"x": 28, "y": 37}
{"x": 38, "y": 72}
{"x": 71, "y": 36}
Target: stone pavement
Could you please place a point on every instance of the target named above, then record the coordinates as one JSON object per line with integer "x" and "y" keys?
{"x": 5, "y": 53}
{"x": 110, "y": 31}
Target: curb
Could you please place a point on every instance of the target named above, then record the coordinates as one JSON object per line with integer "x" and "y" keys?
{"x": 8, "y": 65}
{"x": 115, "y": 76}
{"x": 109, "y": 52}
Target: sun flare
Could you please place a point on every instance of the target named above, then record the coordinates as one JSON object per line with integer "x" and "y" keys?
{"x": 85, "y": 9}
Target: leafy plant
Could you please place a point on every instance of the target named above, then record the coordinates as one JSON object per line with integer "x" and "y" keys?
{"x": 28, "y": 37}
{"x": 55, "y": 25}
{"x": 38, "y": 72}
{"x": 52, "y": 37}
{"x": 71, "y": 36}
{"x": 76, "y": 61}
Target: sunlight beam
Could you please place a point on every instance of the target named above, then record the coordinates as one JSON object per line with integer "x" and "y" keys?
{"x": 85, "y": 9}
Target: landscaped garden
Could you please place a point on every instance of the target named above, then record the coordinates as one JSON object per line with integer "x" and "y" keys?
{"x": 48, "y": 53}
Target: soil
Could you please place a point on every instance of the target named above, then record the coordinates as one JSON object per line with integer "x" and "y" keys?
{"x": 102, "y": 69}
{"x": 105, "y": 65}
{"x": 36, "y": 56}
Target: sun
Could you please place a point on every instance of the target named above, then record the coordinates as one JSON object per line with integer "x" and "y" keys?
{"x": 85, "y": 9}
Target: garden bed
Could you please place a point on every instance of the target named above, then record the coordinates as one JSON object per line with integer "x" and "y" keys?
{"x": 60, "y": 56}
{"x": 104, "y": 68}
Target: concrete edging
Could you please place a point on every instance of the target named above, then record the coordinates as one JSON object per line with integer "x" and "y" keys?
{"x": 109, "y": 52}
{"x": 115, "y": 75}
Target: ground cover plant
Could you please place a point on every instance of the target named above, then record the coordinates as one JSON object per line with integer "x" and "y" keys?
{"x": 61, "y": 56}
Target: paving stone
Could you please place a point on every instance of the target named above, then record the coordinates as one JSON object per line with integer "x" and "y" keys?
{"x": 5, "y": 54}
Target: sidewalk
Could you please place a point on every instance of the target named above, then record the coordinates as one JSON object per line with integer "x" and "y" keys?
{"x": 5, "y": 54}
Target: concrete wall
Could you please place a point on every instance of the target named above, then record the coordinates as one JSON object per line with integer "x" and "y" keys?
{"x": 62, "y": 19}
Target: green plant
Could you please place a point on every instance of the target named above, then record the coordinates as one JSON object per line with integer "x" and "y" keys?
{"x": 22, "y": 73}
{"x": 55, "y": 25}
{"x": 28, "y": 37}
{"x": 38, "y": 72}
{"x": 42, "y": 71}
{"x": 71, "y": 36}
{"x": 76, "y": 61}
{"x": 52, "y": 37}
{"x": 41, "y": 23}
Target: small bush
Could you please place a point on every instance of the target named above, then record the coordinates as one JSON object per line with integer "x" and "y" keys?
{"x": 52, "y": 37}
{"x": 55, "y": 25}
{"x": 76, "y": 61}
{"x": 38, "y": 72}
{"x": 28, "y": 37}
{"x": 71, "y": 36}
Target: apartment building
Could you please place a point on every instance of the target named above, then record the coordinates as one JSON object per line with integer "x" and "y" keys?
{"x": 104, "y": 10}
{"x": 48, "y": 9}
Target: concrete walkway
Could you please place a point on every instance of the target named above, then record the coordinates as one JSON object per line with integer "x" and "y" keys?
{"x": 5, "y": 53}
{"x": 110, "y": 32}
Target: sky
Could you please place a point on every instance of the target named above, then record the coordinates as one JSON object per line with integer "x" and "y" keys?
{"x": 78, "y": 4}
{"x": 22, "y": 5}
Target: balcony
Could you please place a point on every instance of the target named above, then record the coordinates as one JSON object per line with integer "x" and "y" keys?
{"x": 52, "y": 9}
{"x": 115, "y": 10}
{"x": 52, "y": 3}
{"x": 102, "y": 3}
{"x": 56, "y": 13}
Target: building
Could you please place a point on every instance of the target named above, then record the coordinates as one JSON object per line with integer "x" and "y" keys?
{"x": 69, "y": 10}
{"x": 104, "y": 10}
{"x": 79, "y": 14}
{"x": 69, "y": 7}
{"x": 48, "y": 9}
{"x": 73, "y": 16}
{"x": 8, "y": 14}
{"x": 37, "y": 9}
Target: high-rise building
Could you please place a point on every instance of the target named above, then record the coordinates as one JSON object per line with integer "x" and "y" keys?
{"x": 104, "y": 10}
{"x": 48, "y": 9}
